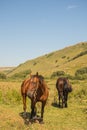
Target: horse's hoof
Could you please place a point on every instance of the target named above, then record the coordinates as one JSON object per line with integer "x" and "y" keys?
{"x": 24, "y": 115}
{"x": 36, "y": 121}
{"x": 41, "y": 122}
{"x": 34, "y": 118}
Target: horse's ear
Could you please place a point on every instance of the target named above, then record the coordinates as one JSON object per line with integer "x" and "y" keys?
{"x": 37, "y": 73}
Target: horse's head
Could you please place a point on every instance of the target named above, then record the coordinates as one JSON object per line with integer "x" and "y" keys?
{"x": 32, "y": 88}
{"x": 34, "y": 84}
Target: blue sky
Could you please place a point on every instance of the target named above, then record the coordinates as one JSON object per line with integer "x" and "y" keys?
{"x": 32, "y": 28}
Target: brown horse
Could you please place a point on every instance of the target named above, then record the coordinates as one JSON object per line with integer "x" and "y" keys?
{"x": 36, "y": 89}
{"x": 63, "y": 87}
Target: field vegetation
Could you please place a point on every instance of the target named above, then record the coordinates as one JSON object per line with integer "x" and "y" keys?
{"x": 72, "y": 118}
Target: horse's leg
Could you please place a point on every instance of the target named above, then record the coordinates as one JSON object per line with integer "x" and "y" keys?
{"x": 35, "y": 111}
{"x": 42, "y": 111}
{"x": 63, "y": 100}
{"x": 59, "y": 100}
{"x": 24, "y": 103}
{"x": 32, "y": 109}
{"x": 66, "y": 99}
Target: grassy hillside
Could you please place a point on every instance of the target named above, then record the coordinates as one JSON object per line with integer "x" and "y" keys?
{"x": 68, "y": 60}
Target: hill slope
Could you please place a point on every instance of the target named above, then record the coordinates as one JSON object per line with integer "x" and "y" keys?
{"x": 68, "y": 60}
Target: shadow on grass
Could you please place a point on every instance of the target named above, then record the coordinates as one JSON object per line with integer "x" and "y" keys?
{"x": 28, "y": 120}
{"x": 56, "y": 105}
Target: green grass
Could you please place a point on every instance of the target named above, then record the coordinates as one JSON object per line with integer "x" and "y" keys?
{"x": 72, "y": 118}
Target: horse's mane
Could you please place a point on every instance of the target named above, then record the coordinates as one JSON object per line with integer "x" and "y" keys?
{"x": 41, "y": 78}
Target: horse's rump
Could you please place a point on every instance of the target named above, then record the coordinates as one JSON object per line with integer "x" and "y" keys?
{"x": 64, "y": 87}
{"x": 63, "y": 84}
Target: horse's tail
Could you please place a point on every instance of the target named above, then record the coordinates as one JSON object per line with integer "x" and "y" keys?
{"x": 67, "y": 88}
{"x": 57, "y": 84}
{"x": 70, "y": 88}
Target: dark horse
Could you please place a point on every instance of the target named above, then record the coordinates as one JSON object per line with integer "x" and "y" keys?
{"x": 36, "y": 89}
{"x": 63, "y": 87}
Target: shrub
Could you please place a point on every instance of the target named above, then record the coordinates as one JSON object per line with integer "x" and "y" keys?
{"x": 69, "y": 76}
{"x": 56, "y": 61}
{"x": 63, "y": 74}
{"x": 58, "y": 73}
{"x": 63, "y": 57}
{"x": 21, "y": 75}
{"x": 34, "y": 63}
{"x": 79, "y": 55}
{"x": 2, "y": 76}
{"x": 81, "y": 73}
{"x": 11, "y": 97}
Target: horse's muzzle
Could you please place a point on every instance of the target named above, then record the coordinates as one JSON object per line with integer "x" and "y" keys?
{"x": 30, "y": 94}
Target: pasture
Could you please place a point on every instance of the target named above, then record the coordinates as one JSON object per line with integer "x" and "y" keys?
{"x": 72, "y": 118}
